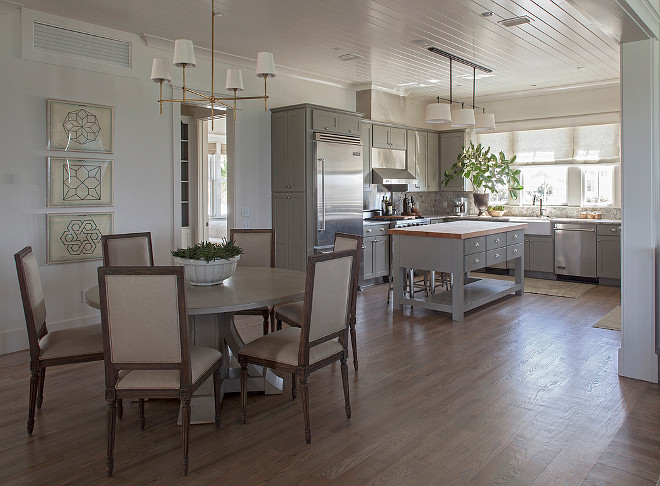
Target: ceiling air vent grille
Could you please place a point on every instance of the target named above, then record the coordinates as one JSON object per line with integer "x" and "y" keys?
{"x": 74, "y": 43}
{"x": 349, "y": 57}
{"x": 512, "y": 22}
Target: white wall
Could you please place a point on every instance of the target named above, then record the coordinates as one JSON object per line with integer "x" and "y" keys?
{"x": 143, "y": 164}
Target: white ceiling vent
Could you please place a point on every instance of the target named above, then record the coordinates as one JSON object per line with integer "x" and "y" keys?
{"x": 512, "y": 22}
{"x": 349, "y": 57}
{"x": 84, "y": 45}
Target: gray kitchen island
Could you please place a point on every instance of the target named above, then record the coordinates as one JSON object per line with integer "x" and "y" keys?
{"x": 458, "y": 248}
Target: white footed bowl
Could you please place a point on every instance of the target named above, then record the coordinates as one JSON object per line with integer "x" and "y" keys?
{"x": 200, "y": 272}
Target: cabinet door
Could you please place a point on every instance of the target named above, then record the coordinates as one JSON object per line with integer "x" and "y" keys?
{"x": 451, "y": 145}
{"x": 380, "y": 136}
{"x": 281, "y": 176}
{"x": 398, "y": 138}
{"x": 289, "y": 224}
{"x": 296, "y": 150}
{"x": 608, "y": 257}
{"x": 365, "y": 133}
{"x": 280, "y": 225}
{"x": 325, "y": 121}
{"x": 432, "y": 163}
{"x": 421, "y": 153}
{"x": 368, "y": 257}
{"x": 541, "y": 256}
{"x": 411, "y": 159}
{"x": 381, "y": 257}
{"x": 349, "y": 124}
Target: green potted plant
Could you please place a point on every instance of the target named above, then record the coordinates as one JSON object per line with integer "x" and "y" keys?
{"x": 485, "y": 171}
{"x": 208, "y": 263}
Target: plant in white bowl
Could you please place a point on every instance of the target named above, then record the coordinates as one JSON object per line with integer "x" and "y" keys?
{"x": 208, "y": 263}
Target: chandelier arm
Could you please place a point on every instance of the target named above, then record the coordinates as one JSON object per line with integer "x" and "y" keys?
{"x": 198, "y": 93}
{"x": 181, "y": 101}
{"x": 242, "y": 98}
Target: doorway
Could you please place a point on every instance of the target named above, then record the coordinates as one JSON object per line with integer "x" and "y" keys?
{"x": 216, "y": 180}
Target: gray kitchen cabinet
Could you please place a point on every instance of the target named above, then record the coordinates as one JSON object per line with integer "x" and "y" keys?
{"x": 432, "y": 162}
{"x": 365, "y": 135}
{"x": 451, "y": 145}
{"x": 368, "y": 258}
{"x": 325, "y": 121}
{"x": 539, "y": 254}
{"x": 349, "y": 124}
{"x": 388, "y": 137}
{"x": 376, "y": 256}
{"x": 289, "y": 221}
{"x": 417, "y": 153}
{"x": 288, "y": 151}
{"x": 608, "y": 251}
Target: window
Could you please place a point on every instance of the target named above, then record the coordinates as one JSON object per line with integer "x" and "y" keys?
{"x": 500, "y": 197}
{"x": 598, "y": 185}
{"x": 546, "y": 182}
{"x": 217, "y": 184}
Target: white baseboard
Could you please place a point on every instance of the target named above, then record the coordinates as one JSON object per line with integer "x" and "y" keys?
{"x": 16, "y": 339}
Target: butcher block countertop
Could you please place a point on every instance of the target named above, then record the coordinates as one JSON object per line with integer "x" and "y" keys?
{"x": 458, "y": 230}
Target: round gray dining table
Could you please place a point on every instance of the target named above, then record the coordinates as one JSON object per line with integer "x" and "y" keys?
{"x": 211, "y": 318}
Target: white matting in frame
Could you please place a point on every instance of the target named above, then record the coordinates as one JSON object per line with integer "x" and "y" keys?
{"x": 80, "y": 127}
{"x": 76, "y": 237}
{"x": 79, "y": 182}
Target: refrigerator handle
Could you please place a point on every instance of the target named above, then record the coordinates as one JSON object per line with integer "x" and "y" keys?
{"x": 320, "y": 168}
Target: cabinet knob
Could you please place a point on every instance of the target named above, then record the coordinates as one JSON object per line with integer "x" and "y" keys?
{"x": 350, "y": 131}
{"x": 476, "y": 244}
{"x": 497, "y": 255}
{"x": 476, "y": 260}
{"x": 368, "y": 231}
{"x": 497, "y": 240}
{"x": 382, "y": 229}
{"x": 326, "y": 128}
{"x": 614, "y": 230}
{"x": 515, "y": 236}
{"x": 515, "y": 250}
{"x": 598, "y": 241}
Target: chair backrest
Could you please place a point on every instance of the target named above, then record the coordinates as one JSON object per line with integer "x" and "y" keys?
{"x": 144, "y": 320}
{"x": 127, "y": 250}
{"x": 258, "y": 246}
{"x": 32, "y": 294}
{"x": 345, "y": 241}
{"x": 329, "y": 291}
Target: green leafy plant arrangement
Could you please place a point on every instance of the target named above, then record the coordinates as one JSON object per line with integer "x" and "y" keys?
{"x": 485, "y": 170}
{"x": 209, "y": 251}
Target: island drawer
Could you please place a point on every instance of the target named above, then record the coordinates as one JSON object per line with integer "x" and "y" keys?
{"x": 475, "y": 261}
{"x": 495, "y": 241}
{"x": 514, "y": 251}
{"x": 495, "y": 256}
{"x": 608, "y": 229}
{"x": 375, "y": 229}
{"x": 513, "y": 237}
{"x": 474, "y": 245}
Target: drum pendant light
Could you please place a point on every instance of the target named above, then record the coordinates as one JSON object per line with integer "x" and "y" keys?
{"x": 464, "y": 117}
{"x": 438, "y": 112}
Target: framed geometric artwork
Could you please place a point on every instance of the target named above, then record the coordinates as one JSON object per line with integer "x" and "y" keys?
{"x": 76, "y": 237}
{"x": 77, "y": 182}
{"x": 78, "y": 127}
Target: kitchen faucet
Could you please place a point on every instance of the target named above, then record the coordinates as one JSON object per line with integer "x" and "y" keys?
{"x": 540, "y": 204}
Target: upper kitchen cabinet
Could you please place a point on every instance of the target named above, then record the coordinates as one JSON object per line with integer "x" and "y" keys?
{"x": 423, "y": 160}
{"x": 388, "y": 137}
{"x": 349, "y": 124}
{"x": 432, "y": 162}
{"x": 288, "y": 150}
{"x": 334, "y": 122}
{"x": 365, "y": 135}
{"x": 451, "y": 145}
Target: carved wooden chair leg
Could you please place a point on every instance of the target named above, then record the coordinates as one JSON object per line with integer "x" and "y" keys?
{"x": 120, "y": 409}
{"x": 141, "y": 410}
{"x": 40, "y": 393}
{"x": 34, "y": 384}
{"x": 217, "y": 390}
{"x": 354, "y": 344}
{"x": 244, "y": 392}
{"x": 272, "y": 319}
{"x": 185, "y": 429}
{"x": 111, "y": 425}
{"x": 305, "y": 403}
{"x": 294, "y": 385}
{"x": 265, "y": 316}
{"x": 344, "y": 381}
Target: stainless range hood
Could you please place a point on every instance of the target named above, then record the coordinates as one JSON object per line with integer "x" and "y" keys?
{"x": 389, "y": 167}
{"x": 386, "y": 177}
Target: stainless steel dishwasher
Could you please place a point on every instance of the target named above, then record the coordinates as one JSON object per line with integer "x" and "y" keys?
{"x": 575, "y": 249}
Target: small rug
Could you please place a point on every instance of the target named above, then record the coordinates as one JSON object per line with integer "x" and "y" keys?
{"x": 558, "y": 288}
{"x": 611, "y": 321}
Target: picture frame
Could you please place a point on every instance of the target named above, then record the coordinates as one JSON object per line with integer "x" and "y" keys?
{"x": 73, "y": 237}
{"x": 79, "y": 127}
{"x": 79, "y": 182}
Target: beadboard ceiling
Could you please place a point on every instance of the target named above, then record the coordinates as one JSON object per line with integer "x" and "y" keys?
{"x": 559, "y": 47}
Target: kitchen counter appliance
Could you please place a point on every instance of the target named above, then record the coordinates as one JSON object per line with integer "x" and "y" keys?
{"x": 575, "y": 249}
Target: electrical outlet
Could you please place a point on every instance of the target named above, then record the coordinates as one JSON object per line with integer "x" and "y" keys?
{"x": 82, "y": 296}
{"x": 245, "y": 212}
{"x": 246, "y": 223}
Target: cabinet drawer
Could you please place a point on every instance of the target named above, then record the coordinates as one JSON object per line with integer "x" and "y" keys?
{"x": 608, "y": 229}
{"x": 515, "y": 251}
{"x": 326, "y": 121}
{"x": 514, "y": 237}
{"x": 375, "y": 230}
{"x": 474, "y": 261}
{"x": 496, "y": 256}
{"x": 474, "y": 245}
{"x": 495, "y": 241}
{"x": 349, "y": 124}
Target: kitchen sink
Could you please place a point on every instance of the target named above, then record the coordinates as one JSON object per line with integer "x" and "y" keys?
{"x": 535, "y": 226}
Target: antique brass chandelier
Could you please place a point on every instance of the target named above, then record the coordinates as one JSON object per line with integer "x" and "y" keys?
{"x": 184, "y": 57}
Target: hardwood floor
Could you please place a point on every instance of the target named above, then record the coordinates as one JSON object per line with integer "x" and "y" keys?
{"x": 524, "y": 391}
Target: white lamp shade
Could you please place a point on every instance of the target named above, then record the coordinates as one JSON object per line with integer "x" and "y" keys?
{"x": 234, "y": 80}
{"x": 184, "y": 53}
{"x": 265, "y": 65}
{"x": 160, "y": 70}
{"x": 438, "y": 113}
{"x": 484, "y": 121}
{"x": 462, "y": 118}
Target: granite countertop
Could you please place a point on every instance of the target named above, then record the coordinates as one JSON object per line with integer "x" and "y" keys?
{"x": 523, "y": 218}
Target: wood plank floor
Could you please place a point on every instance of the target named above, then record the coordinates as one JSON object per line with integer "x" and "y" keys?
{"x": 524, "y": 391}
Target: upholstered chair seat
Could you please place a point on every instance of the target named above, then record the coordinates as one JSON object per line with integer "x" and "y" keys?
{"x": 76, "y": 341}
{"x": 290, "y": 313}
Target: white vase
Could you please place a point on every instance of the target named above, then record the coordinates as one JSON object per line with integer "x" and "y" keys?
{"x": 203, "y": 273}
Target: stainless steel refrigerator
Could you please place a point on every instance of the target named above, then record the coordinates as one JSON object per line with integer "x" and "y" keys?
{"x": 337, "y": 188}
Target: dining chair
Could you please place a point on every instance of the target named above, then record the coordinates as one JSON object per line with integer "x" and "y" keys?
{"x": 258, "y": 251}
{"x": 145, "y": 342}
{"x": 61, "y": 347}
{"x": 292, "y": 313}
{"x": 127, "y": 249}
{"x": 330, "y": 291}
